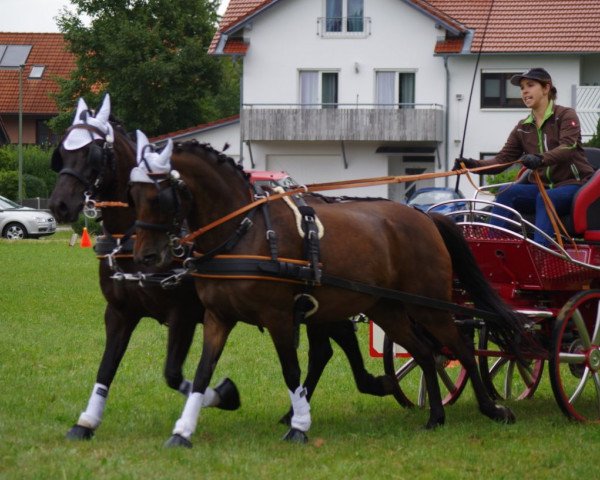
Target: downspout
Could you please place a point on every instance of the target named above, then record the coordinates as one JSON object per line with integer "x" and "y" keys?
{"x": 241, "y": 60}
{"x": 447, "y": 121}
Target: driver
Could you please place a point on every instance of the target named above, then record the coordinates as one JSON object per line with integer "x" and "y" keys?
{"x": 548, "y": 141}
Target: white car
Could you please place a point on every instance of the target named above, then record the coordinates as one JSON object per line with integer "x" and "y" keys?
{"x": 18, "y": 222}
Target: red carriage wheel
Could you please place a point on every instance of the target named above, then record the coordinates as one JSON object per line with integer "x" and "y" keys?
{"x": 411, "y": 383}
{"x": 505, "y": 377}
{"x": 575, "y": 359}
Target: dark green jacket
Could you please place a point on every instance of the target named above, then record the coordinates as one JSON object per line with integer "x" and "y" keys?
{"x": 559, "y": 143}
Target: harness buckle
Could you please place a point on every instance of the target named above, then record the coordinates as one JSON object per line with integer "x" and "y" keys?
{"x": 89, "y": 206}
{"x": 270, "y": 234}
{"x": 173, "y": 281}
{"x": 177, "y": 249}
{"x": 111, "y": 256}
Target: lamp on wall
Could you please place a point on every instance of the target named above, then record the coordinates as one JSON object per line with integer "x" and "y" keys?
{"x": 356, "y": 67}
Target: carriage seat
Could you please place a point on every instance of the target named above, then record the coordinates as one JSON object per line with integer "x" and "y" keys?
{"x": 585, "y": 212}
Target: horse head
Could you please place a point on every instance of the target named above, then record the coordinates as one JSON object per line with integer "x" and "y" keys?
{"x": 85, "y": 161}
{"x": 195, "y": 184}
{"x": 161, "y": 200}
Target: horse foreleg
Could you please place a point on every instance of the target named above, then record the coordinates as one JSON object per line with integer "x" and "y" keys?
{"x": 119, "y": 328}
{"x": 282, "y": 334}
{"x": 215, "y": 336}
{"x": 181, "y": 334}
{"x": 319, "y": 354}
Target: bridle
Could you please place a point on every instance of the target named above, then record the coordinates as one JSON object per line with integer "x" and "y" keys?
{"x": 100, "y": 159}
{"x": 169, "y": 203}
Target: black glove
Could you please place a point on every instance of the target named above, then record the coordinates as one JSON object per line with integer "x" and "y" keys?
{"x": 468, "y": 163}
{"x": 532, "y": 161}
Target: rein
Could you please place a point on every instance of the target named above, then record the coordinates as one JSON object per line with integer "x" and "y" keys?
{"x": 321, "y": 187}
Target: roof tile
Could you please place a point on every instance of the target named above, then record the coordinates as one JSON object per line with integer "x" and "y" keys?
{"x": 48, "y": 49}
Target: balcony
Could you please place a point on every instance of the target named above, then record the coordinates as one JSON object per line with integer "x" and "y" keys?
{"x": 348, "y": 122}
{"x": 344, "y": 27}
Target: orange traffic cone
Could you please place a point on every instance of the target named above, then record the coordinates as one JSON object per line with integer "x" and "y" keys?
{"x": 85, "y": 239}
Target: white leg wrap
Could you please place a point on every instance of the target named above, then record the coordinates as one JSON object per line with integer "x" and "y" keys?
{"x": 186, "y": 425}
{"x": 92, "y": 416}
{"x": 211, "y": 398}
{"x": 301, "y": 418}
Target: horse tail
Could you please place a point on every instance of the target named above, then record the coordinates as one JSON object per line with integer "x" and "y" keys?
{"x": 508, "y": 329}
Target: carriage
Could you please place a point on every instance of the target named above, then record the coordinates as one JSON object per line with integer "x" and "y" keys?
{"x": 556, "y": 287}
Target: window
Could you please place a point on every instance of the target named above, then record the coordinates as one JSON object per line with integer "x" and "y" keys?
{"x": 37, "y": 71}
{"x": 395, "y": 89}
{"x": 498, "y": 92}
{"x": 14, "y": 55}
{"x": 344, "y": 16}
{"x": 43, "y": 134}
{"x": 318, "y": 88}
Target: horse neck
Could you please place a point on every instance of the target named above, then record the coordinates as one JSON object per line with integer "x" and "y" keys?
{"x": 218, "y": 189}
{"x": 117, "y": 219}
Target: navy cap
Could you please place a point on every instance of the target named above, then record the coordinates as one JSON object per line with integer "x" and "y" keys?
{"x": 538, "y": 74}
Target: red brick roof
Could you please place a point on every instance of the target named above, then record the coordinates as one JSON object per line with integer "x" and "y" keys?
{"x": 197, "y": 128}
{"x": 48, "y": 49}
{"x": 516, "y": 26}
{"x": 529, "y": 26}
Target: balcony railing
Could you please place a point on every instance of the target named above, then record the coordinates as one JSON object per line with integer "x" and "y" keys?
{"x": 336, "y": 27}
{"x": 351, "y": 122}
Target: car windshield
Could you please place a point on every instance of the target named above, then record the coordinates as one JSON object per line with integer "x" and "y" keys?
{"x": 5, "y": 203}
{"x": 431, "y": 197}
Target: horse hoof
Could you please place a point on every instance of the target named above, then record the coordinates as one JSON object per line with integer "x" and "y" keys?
{"x": 287, "y": 418}
{"x": 228, "y": 394}
{"x": 506, "y": 415}
{"x": 433, "y": 424}
{"x": 388, "y": 385}
{"x": 177, "y": 440}
{"x": 77, "y": 432}
{"x": 295, "y": 436}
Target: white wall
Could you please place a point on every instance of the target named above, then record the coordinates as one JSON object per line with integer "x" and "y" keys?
{"x": 284, "y": 40}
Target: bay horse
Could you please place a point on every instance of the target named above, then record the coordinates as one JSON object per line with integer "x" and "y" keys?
{"x": 81, "y": 177}
{"x": 93, "y": 162}
{"x": 375, "y": 243}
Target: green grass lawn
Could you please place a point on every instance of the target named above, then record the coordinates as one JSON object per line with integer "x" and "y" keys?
{"x": 51, "y": 340}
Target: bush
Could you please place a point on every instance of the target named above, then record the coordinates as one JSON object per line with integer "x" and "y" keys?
{"x": 9, "y": 184}
{"x": 506, "y": 176}
{"x": 35, "y": 186}
{"x": 36, "y": 162}
{"x": 93, "y": 227}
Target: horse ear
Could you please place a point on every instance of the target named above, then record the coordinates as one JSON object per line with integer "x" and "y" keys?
{"x": 104, "y": 110}
{"x": 81, "y": 107}
{"x": 141, "y": 141}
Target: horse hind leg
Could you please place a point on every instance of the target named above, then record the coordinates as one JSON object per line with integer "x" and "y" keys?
{"x": 403, "y": 333}
{"x": 450, "y": 336}
{"x": 345, "y": 336}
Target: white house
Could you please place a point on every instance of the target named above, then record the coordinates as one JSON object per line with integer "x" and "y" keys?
{"x": 342, "y": 89}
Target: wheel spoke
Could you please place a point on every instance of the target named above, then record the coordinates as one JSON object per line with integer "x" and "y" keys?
{"x": 405, "y": 369}
{"x": 422, "y": 397}
{"x": 510, "y": 370}
{"x": 446, "y": 380}
{"x": 582, "y": 329}
{"x": 526, "y": 373}
{"x": 574, "y": 358}
{"x": 581, "y": 386}
{"x": 595, "y": 338}
{"x": 497, "y": 366}
{"x": 597, "y": 385}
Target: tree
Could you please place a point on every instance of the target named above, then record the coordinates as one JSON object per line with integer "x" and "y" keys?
{"x": 151, "y": 55}
{"x": 595, "y": 140}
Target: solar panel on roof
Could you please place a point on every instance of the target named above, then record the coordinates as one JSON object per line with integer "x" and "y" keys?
{"x": 14, "y": 55}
